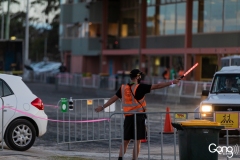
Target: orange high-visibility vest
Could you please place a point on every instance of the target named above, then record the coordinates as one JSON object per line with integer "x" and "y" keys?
{"x": 167, "y": 75}
{"x": 129, "y": 103}
{"x": 180, "y": 72}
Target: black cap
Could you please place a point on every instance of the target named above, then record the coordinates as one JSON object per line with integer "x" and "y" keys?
{"x": 135, "y": 72}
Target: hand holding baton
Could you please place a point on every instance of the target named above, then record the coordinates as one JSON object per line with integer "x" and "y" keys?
{"x": 188, "y": 71}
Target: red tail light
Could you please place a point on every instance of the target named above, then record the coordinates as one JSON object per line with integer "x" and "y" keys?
{"x": 38, "y": 103}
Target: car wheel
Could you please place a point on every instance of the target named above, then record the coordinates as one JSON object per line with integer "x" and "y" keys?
{"x": 20, "y": 135}
{"x": 6, "y": 141}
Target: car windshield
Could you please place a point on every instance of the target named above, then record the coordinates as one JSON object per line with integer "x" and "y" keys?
{"x": 226, "y": 83}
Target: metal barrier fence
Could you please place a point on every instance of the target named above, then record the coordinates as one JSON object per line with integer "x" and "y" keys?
{"x": 83, "y": 124}
{"x": 189, "y": 89}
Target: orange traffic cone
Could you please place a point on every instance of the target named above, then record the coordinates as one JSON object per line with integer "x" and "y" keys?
{"x": 143, "y": 140}
{"x": 168, "y": 129}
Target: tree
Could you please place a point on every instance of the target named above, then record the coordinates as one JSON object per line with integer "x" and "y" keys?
{"x": 37, "y": 35}
{"x": 7, "y": 15}
{"x": 51, "y": 35}
{"x": 52, "y": 6}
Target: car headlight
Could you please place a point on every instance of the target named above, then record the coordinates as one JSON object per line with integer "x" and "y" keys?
{"x": 206, "y": 108}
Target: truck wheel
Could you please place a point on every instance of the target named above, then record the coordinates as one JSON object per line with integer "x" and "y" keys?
{"x": 20, "y": 135}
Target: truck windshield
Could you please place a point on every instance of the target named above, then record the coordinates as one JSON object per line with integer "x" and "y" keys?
{"x": 226, "y": 83}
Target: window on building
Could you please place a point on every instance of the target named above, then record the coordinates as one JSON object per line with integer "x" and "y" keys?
{"x": 180, "y": 18}
{"x": 213, "y": 10}
{"x": 165, "y": 19}
{"x": 153, "y": 2}
{"x": 153, "y": 20}
{"x": 61, "y": 28}
{"x": 230, "y": 15}
{"x": 129, "y": 4}
{"x": 83, "y": 30}
{"x": 130, "y": 23}
{"x": 69, "y": 30}
{"x": 209, "y": 66}
{"x": 220, "y": 15}
{"x": 69, "y": 1}
{"x": 63, "y": 1}
{"x": 94, "y": 29}
{"x": 198, "y": 16}
{"x": 113, "y": 42}
{"x": 112, "y": 29}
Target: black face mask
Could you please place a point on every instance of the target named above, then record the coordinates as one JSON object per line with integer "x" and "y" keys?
{"x": 139, "y": 80}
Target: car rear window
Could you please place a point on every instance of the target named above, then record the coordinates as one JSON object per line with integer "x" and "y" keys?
{"x": 5, "y": 90}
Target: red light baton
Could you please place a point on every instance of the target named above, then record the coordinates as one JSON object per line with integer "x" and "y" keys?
{"x": 188, "y": 71}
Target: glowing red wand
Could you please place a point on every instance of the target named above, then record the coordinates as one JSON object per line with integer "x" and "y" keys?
{"x": 188, "y": 71}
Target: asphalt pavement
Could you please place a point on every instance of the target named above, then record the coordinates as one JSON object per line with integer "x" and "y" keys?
{"x": 45, "y": 147}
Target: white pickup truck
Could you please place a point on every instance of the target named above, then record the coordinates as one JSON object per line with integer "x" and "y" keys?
{"x": 223, "y": 96}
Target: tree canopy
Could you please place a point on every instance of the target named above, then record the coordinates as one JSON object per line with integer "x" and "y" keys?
{"x": 38, "y": 34}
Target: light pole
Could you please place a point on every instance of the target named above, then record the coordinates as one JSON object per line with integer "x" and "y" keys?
{"x": 26, "y": 34}
{"x": 2, "y": 27}
{"x": 7, "y": 21}
{"x": 140, "y": 36}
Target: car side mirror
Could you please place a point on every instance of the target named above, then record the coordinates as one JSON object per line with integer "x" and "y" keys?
{"x": 205, "y": 92}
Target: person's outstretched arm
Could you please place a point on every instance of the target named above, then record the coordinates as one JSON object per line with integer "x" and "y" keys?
{"x": 164, "y": 84}
{"x": 109, "y": 102}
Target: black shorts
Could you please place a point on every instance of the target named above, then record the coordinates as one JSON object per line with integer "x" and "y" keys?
{"x": 129, "y": 131}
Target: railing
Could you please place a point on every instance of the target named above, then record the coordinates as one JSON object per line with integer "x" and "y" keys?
{"x": 189, "y": 89}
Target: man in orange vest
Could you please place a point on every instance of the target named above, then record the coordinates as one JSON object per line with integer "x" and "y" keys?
{"x": 166, "y": 73}
{"x": 181, "y": 73}
{"x": 133, "y": 100}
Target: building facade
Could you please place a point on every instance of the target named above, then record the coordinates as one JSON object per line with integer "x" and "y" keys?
{"x": 105, "y": 36}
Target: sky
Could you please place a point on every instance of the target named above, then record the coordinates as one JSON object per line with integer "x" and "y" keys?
{"x": 35, "y": 11}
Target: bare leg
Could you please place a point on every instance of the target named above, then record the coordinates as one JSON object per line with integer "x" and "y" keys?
{"x": 138, "y": 149}
{"x": 126, "y": 142}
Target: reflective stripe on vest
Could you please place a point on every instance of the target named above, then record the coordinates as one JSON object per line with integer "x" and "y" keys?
{"x": 129, "y": 103}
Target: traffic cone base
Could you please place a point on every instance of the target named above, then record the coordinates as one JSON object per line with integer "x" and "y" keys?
{"x": 168, "y": 129}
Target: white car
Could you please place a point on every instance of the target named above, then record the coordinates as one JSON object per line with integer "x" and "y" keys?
{"x": 23, "y": 118}
{"x": 223, "y": 96}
